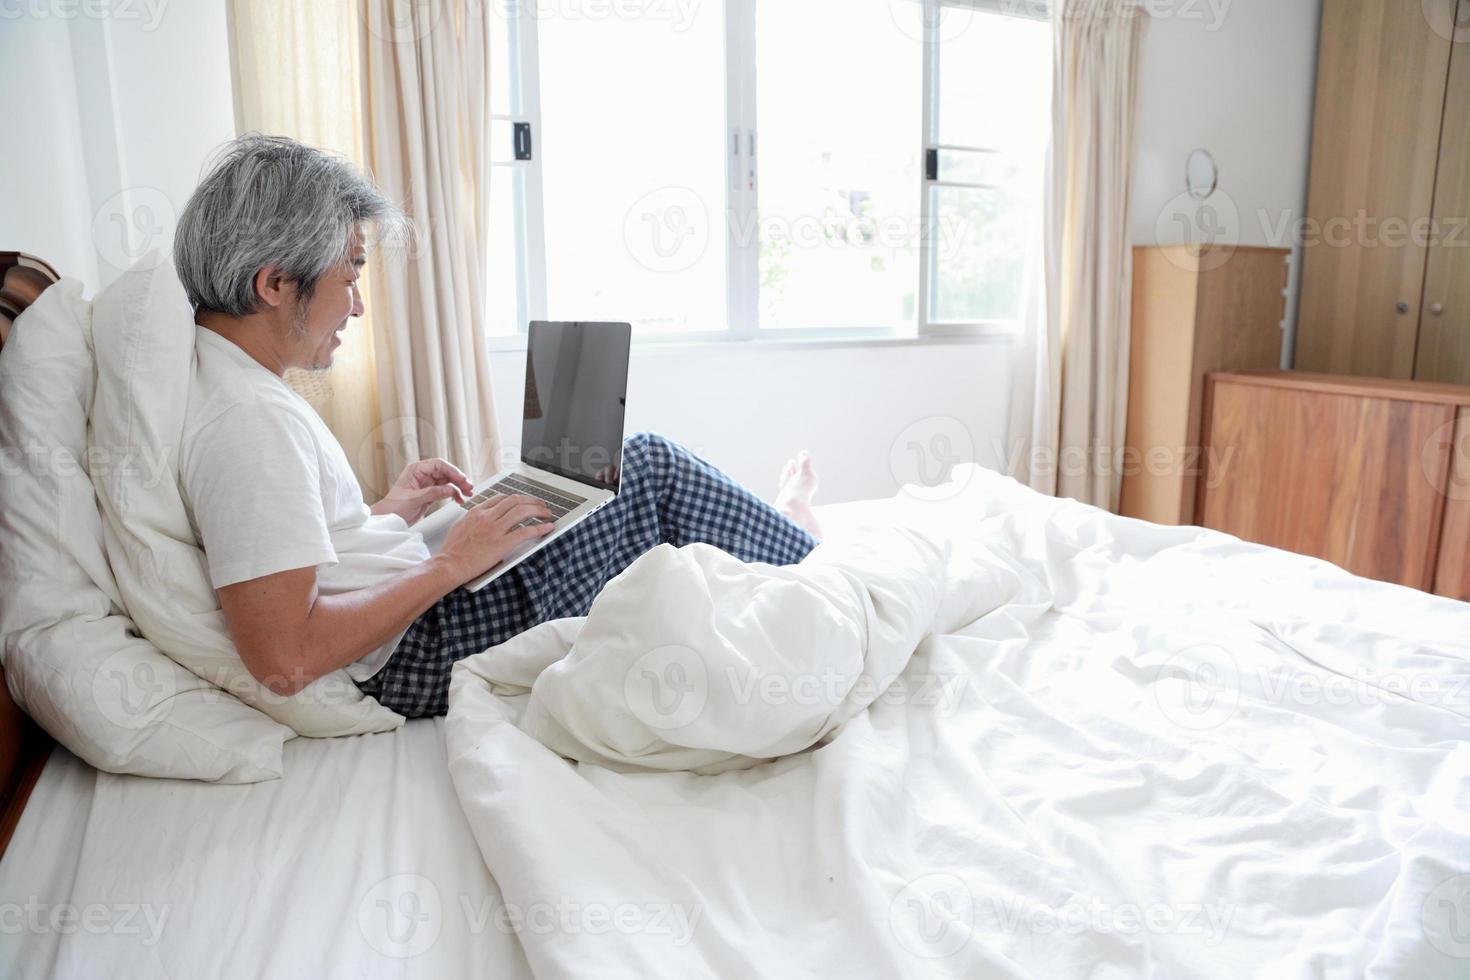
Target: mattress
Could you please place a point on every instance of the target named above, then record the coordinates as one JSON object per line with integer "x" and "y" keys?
{"x": 1091, "y": 806}
{"x": 357, "y": 863}
{"x": 1139, "y": 752}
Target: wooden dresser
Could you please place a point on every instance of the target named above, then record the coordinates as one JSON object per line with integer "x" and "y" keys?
{"x": 1371, "y": 474}
{"x": 1195, "y": 310}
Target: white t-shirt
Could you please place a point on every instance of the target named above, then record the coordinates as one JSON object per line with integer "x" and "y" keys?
{"x": 268, "y": 487}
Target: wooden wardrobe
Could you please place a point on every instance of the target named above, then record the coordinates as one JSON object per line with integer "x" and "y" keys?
{"x": 1385, "y": 287}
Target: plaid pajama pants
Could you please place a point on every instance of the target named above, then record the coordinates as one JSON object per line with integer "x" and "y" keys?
{"x": 666, "y": 494}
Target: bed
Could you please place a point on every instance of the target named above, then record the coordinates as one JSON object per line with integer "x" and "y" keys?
{"x": 1171, "y": 753}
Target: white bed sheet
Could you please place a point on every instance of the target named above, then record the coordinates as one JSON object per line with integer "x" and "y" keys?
{"x": 1031, "y": 832}
{"x": 1167, "y": 753}
{"x": 358, "y": 863}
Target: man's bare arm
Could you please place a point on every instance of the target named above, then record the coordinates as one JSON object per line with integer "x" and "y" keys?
{"x": 288, "y": 634}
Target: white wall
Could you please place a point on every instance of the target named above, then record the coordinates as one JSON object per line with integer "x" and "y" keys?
{"x": 871, "y": 416}
{"x": 45, "y": 207}
{"x": 1237, "y": 78}
{"x": 130, "y": 99}
{"x": 133, "y": 105}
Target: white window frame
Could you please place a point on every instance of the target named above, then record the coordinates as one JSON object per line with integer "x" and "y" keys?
{"x": 742, "y": 191}
{"x": 928, "y": 218}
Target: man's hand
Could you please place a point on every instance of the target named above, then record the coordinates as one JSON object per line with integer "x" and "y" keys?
{"x": 422, "y": 485}
{"x": 487, "y": 533}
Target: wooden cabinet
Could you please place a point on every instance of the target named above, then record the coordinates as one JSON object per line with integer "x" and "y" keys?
{"x": 1386, "y": 256}
{"x": 1194, "y": 311}
{"x": 1368, "y": 473}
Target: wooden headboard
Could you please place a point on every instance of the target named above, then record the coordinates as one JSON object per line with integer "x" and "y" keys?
{"x": 23, "y": 745}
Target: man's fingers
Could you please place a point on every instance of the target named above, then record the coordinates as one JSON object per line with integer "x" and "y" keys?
{"x": 497, "y": 508}
{"x": 500, "y": 502}
{"x": 441, "y": 471}
{"x": 534, "y": 531}
{"x": 521, "y": 512}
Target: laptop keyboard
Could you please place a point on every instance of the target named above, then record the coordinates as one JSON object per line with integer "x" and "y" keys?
{"x": 558, "y": 502}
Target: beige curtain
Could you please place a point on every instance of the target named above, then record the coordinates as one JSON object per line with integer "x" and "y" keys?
{"x": 296, "y": 68}
{"x": 1071, "y": 377}
{"x": 426, "y": 86}
{"x": 405, "y": 100}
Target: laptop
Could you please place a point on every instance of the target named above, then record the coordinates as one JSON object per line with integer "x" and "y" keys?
{"x": 571, "y": 434}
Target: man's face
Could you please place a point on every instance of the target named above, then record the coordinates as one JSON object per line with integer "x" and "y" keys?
{"x": 317, "y": 332}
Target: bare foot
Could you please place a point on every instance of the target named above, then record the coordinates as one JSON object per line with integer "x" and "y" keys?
{"x": 798, "y": 487}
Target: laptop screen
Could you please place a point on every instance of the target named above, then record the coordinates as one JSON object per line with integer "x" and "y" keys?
{"x": 576, "y": 386}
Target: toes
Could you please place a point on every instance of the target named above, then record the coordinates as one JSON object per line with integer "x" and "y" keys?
{"x": 788, "y": 471}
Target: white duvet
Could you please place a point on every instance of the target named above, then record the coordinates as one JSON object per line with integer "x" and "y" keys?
{"x": 1048, "y": 742}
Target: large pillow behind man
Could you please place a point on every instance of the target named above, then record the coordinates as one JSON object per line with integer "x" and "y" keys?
{"x": 72, "y": 659}
{"x": 144, "y": 332}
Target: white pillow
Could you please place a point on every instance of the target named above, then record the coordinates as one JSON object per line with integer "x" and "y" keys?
{"x": 72, "y": 660}
{"x": 143, "y": 331}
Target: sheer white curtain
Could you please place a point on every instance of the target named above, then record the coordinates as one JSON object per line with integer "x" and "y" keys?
{"x": 402, "y": 91}
{"x": 1071, "y": 370}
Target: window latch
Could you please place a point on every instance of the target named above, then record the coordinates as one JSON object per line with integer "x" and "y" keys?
{"x": 521, "y": 132}
{"x": 931, "y": 164}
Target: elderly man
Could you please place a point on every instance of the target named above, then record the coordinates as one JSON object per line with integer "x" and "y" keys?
{"x": 309, "y": 577}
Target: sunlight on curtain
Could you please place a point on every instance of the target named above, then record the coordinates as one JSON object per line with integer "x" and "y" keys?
{"x": 297, "y": 74}
{"x": 1071, "y": 366}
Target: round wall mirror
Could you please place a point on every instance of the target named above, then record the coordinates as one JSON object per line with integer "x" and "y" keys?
{"x": 1201, "y": 175}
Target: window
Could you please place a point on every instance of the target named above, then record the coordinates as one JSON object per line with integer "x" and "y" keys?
{"x": 766, "y": 168}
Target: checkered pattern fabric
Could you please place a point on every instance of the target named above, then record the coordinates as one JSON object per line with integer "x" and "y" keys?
{"x": 667, "y": 494}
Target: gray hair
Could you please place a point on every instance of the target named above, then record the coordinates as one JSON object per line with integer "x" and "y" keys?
{"x": 269, "y": 200}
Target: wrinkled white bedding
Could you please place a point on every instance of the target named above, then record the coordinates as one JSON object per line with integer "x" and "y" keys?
{"x": 717, "y": 665}
{"x": 1133, "y": 751}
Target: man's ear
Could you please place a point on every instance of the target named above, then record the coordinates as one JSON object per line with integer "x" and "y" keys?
{"x": 272, "y": 286}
